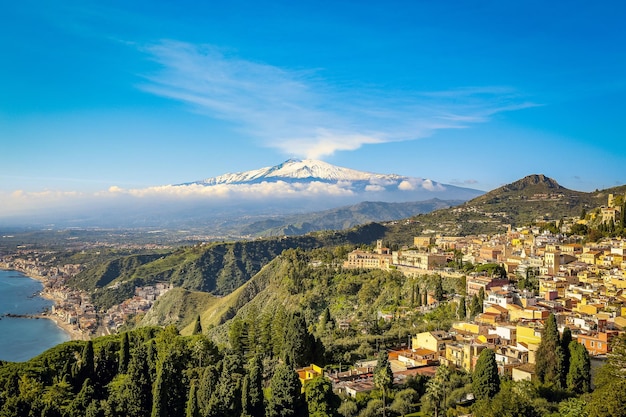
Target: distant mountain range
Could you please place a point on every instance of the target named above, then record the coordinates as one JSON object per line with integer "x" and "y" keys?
{"x": 266, "y": 201}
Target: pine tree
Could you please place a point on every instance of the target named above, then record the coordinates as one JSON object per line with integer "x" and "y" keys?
{"x": 485, "y": 381}
{"x": 286, "y": 397}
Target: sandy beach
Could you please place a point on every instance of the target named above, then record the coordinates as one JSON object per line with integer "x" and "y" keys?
{"x": 71, "y": 330}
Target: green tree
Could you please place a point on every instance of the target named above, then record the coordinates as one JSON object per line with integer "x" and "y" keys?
{"x": 138, "y": 387}
{"x": 286, "y": 398}
{"x": 462, "y": 310}
{"x": 197, "y": 327}
{"x": 439, "y": 289}
{"x": 476, "y": 307}
{"x": 566, "y": 339}
{"x": 169, "y": 398}
{"x": 486, "y": 382}
{"x": 192, "y": 409}
{"x": 320, "y": 398}
{"x": 124, "y": 353}
{"x": 226, "y": 398}
{"x": 579, "y": 375}
{"x": 549, "y": 356}
{"x": 403, "y": 401}
{"x": 348, "y": 408}
{"x": 511, "y": 401}
{"x": 299, "y": 343}
{"x": 254, "y": 390}
{"x": 383, "y": 377}
{"x": 437, "y": 389}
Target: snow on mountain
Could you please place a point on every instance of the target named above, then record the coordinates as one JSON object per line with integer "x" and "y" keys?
{"x": 318, "y": 180}
{"x": 295, "y": 169}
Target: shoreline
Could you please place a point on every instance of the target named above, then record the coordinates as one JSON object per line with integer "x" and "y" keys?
{"x": 72, "y": 331}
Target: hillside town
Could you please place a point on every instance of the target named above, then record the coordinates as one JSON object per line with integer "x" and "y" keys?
{"x": 73, "y": 309}
{"x": 581, "y": 284}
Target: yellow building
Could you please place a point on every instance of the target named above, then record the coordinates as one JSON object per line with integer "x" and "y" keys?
{"x": 464, "y": 327}
{"x": 423, "y": 241}
{"x": 463, "y": 355}
{"x": 435, "y": 340}
{"x": 308, "y": 373}
{"x": 528, "y": 335}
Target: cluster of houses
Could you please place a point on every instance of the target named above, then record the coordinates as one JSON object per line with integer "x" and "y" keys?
{"x": 583, "y": 285}
{"x": 74, "y": 307}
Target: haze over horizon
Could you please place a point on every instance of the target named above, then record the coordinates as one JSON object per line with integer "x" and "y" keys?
{"x": 98, "y": 98}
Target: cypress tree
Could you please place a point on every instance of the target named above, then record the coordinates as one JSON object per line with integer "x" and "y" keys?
{"x": 254, "y": 399}
{"x": 87, "y": 367}
{"x": 439, "y": 289}
{"x": 106, "y": 367}
{"x": 209, "y": 380}
{"x": 226, "y": 398}
{"x": 485, "y": 381}
{"x": 549, "y": 356}
{"x": 299, "y": 344}
{"x": 124, "y": 353}
{"x": 566, "y": 339}
{"x": 462, "y": 310}
{"x": 169, "y": 397}
{"x": 197, "y": 328}
{"x": 579, "y": 374}
{"x": 139, "y": 389}
{"x": 192, "y": 409}
{"x": 476, "y": 307}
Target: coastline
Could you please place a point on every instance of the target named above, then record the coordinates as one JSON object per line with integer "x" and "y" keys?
{"x": 72, "y": 331}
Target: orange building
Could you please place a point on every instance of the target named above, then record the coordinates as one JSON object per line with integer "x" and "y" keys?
{"x": 597, "y": 343}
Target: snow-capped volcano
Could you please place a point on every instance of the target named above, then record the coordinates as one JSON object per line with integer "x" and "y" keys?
{"x": 308, "y": 169}
{"x": 313, "y": 178}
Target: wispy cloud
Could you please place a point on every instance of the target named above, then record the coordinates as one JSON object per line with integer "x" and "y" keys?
{"x": 299, "y": 114}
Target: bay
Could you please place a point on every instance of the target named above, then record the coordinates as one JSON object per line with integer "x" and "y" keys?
{"x": 24, "y": 338}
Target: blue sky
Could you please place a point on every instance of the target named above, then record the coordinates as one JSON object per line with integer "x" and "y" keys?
{"x": 147, "y": 93}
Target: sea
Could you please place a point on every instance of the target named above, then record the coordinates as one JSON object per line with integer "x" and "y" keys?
{"x": 24, "y": 338}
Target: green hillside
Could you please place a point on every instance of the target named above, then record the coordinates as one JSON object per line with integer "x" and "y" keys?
{"x": 217, "y": 268}
{"x": 533, "y": 199}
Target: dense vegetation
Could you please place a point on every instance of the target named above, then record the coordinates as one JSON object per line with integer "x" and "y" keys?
{"x": 217, "y": 268}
